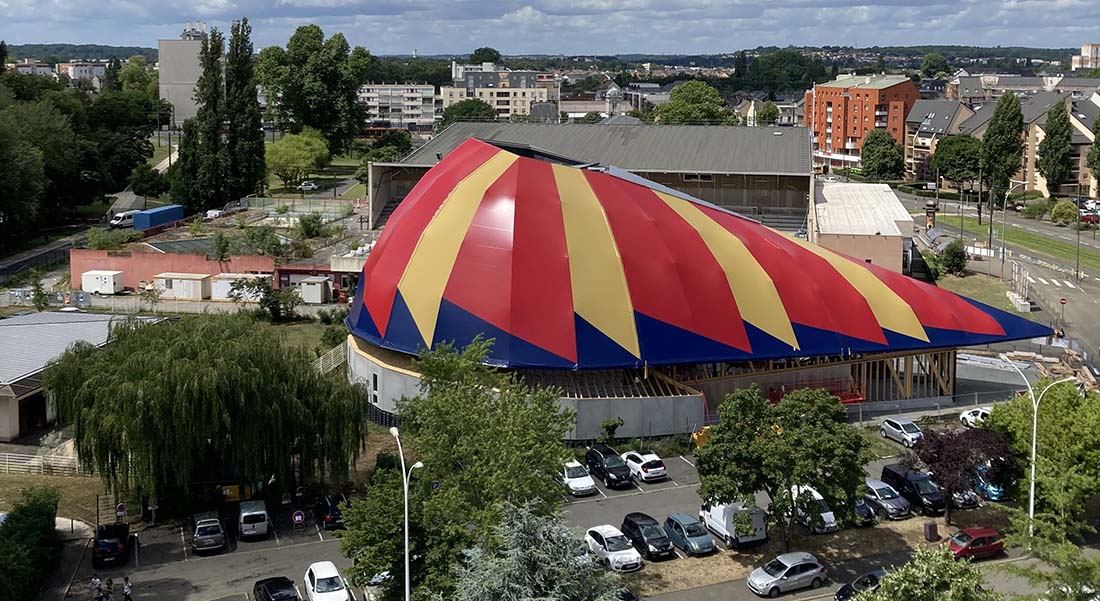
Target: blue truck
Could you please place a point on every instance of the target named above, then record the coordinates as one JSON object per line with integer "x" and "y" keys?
{"x": 151, "y": 218}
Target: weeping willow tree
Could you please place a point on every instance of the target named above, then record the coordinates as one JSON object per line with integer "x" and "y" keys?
{"x": 165, "y": 405}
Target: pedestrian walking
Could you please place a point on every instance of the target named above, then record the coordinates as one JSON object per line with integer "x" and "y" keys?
{"x": 96, "y": 585}
{"x": 127, "y": 589}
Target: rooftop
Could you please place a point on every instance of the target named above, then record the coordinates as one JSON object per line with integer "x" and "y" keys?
{"x": 866, "y": 82}
{"x": 934, "y": 116}
{"x": 860, "y": 209}
{"x": 641, "y": 148}
{"x": 1033, "y": 107}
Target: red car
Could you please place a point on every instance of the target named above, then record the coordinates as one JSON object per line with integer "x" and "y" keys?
{"x": 976, "y": 543}
{"x": 1090, "y": 218}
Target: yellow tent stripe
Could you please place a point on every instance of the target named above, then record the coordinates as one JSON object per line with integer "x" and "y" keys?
{"x": 600, "y": 294}
{"x": 426, "y": 274}
{"x": 891, "y": 311}
{"x": 757, "y": 299}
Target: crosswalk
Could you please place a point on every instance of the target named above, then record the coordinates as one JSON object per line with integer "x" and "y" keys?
{"x": 1052, "y": 282}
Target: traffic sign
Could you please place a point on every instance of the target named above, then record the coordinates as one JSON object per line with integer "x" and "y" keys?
{"x": 435, "y": 485}
{"x": 1062, "y": 301}
{"x": 153, "y": 508}
{"x": 299, "y": 517}
{"x": 120, "y": 510}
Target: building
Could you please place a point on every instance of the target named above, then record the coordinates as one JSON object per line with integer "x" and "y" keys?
{"x": 930, "y": 121}
{"x": 509, "y": 92}
{"x": 1083, "y": 116}
{"x": 179, "y": 71}
{"x": 638, "y": 301}
{"x": 980, "y": 89}
{"x": 1088, "y": 59}
{"x": 864, "y": 221}
{"x": 789, "y": 112}
{"x": 763, "y": 173}
{"x": 32, "y": 67}
{"x": 404, "y": 106}
{"x": 841, "y": 112}
{"x": 506, "y": 101}
{"x": 82, "y": 70}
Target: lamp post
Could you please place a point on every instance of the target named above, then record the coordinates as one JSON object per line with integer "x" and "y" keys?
{"x": 1004, "y": 221}
{"x": 1077, "y": 206}
{"x": 1034, "y": 438}
{"x": 405, "y": 476}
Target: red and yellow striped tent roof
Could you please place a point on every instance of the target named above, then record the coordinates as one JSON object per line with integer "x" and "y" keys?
{"x": 574, "y": 268}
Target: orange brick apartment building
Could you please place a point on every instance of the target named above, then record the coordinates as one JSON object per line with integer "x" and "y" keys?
{"x": 842, "y": 111}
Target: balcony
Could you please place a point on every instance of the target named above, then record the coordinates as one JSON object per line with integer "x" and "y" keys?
{"x": 880, "y": 123}
{"x": 881, "y": 112}
{"x": 849, "y": 146}
{"x": 829, "y": 130}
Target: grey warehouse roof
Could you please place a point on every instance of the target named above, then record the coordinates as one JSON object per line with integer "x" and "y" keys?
{"x": 642, "y": 148}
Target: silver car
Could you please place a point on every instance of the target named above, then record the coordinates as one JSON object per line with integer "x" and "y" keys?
{"x": 886, "y": 501}
{"x": 788, "y": 572}
{"x": 901, "y": 430}
{"x": 209, "y": 534}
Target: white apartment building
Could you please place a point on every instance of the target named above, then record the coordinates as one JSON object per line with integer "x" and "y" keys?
{"x": 178, "y": 63}
{"x": 401, "y": 105}
{"x": 506, "y": 101}
{"x": 33, "y": 67}
{"x": 1088, "y": 59}
{"x": 86, "y": 70}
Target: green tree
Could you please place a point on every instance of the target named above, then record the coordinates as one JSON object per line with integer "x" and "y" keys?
{"x": 3, "y": 52}
{"x": 504, "y": 446}
{"x": 39, "y": 298}
{"x": 29, "y": 545}
{"x": 111, "y": 81}
{"x": 1056, "y": 149}
{"x": 932, "y": 573}
{"x": 146, "y": 181}
{"x": 105, "y": 239}
{"x": 244, "y": 140}
{"x": 1002, "y": 144}
{"x": 590, "y": 117}
{"x": 311, "y": 225}
{"x": 768, "y": 115}
{"x": 692, "y": 102}
{"x": 953, "y": 258}
{"x": 221, "y": 247}
{"x": 398, "y": 139}
{"x": 1093, "y": 158}
{"x": 135, "y": 75}
{"x": 279, "y": 303}
{"x": 314, "y": 82}
{"x": 485, "y": 55}
{"x": 293, "y": 157}
{"x": 952, "y": 456}
{"x": 957, "y": 158}
{"x": 1064, "y": 212}
{"x": 471, "y": 108}
{"x": 531, "y": 556}
{"x": 210, "y": 182}
{"x": 881, "y": 156}
{"x": 21, "y": 181}
{"x": 933, "y": 64}
{"x": 183, "y": 176}
{"x": 804, "y": 439}
{"x": 229, "y": 397}
{"x": 121, "y": 124}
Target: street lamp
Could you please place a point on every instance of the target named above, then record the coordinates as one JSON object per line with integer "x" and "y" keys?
{"x": 1034, "y": 438}
{"x": 1077, "y": 206}
{"x": 405, "y": 476}
{"x": 1004, "y": 221}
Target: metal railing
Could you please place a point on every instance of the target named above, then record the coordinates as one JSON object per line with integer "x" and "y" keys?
{"x": 332, "y": 359}
{"x": 47, "y": 465}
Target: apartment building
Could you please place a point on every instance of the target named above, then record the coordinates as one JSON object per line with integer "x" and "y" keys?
{"x": 929, "y": 122}
{"x": 979, "y": 89}
{"x": 507, "y": 101}
{"x": 32, "y": 67}
{"x": 179, "y": 71}
{"x": 406, "y": 106}
{"x": 1088, "y": 59}
{"x": 509, "y": 92}
{"x": 86, "y": 70}
{"x": 840, "y": 113}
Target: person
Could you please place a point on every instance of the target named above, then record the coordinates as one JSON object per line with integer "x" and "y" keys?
{"x": 127, "y": 589}
{"x": 110, "y": 590}
{"x": 96, "y": 585}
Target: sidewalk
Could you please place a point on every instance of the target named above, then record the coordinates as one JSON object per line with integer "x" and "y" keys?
{"x": 76, "y": 536}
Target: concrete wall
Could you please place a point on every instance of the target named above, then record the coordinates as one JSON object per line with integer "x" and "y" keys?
{"x": 884, "y": 251}
{"x": 179, "y": 71}
{"x": 142, "y": 267}
{"x": 9, "y": 418}
{"x": 384, "y": 385}
{"x": 642, "y": 417}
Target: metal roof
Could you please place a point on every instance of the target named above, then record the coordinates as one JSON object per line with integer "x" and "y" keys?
{"x": 934, "y": 116}
{"x": 866, "y": 82}
{"x": 861, "y": 209}
{"x": 28, "y": 342}
{"x": 642, "y": 148}
{"x": 1032, "y": 107}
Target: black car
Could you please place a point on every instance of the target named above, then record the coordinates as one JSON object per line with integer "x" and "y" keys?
{"x": 329, "y": 513}
{"x": 604, "y": 463}
{"x": 917, "y": 487}
{"x": 648, "y": 536}
{"x": 279, "y": 588}
{"x": 866, "y": 582}
{"x": 112, "y": 544}
{"x": 627, "y": 595}
{"x": 864, "y": 515}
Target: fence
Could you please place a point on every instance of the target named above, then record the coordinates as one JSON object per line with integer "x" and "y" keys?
{"x": 46, "y": 465}
{"x": 329, "y": 208}
{"x": 334, "y": 358}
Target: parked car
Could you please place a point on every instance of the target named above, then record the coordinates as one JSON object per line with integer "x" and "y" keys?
{"x": 688, "y": 534}
{"x": 976, "y": 543}
{"x": 647, "y": 535}
{"x": 972, "y": 418}
{"x": 721, "y": 520}
{"x": 253, "y": 520}
{"x": 577, "y": 481}
{"x": 901, "y": 430}
{"x": 819, "y": 517}
{"x": 866, "y": 582}
{"x": 279, "y": 588}
{"x": 916, "y": 487}
{"x": 788, "y": 572}
{"x": 645, "y": 465}
{"x": 864, "y": 515}
{"x": 324, "y": 583}
{"x": 628, "y": 595}
{"x": 123, "y": 219}
{"x": 604, "y": 463}
{"x": 329, "y": 514}
{"x": 376, "y": 585}
{"x": 1090, "y": 217}
{"x": 886, "y": 501}
{"x": 308, "y": 186}
{"x": 965, "y": 499}
{"x": 111, "y": 545}
{"x": 612, "y": 548}
{"x": 208, "y": 534}
{"x": 985, "y": 486}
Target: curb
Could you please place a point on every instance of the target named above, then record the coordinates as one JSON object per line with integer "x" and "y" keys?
{"x": 76, "y": 568}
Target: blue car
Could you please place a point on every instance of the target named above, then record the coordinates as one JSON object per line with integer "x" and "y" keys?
{"x": 985, "y": 486}
{"x": 688, "y": 534}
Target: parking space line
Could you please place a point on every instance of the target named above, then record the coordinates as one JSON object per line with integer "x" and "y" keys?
{"x": 275, "y": 531}
{"x": 686, "y": 461}
{"x": 674, "y": 484}
{"x": 183, "y": 544}
{"x": 319, "y": 535}
{"x": 1069, "y": 283}
{"x": 638, "y": 487}
{"x": 600, "y": 490}
{"x": 677, "y": 552}
{"x": 635, "y": 494}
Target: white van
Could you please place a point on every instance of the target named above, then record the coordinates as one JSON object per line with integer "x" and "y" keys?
{"x": 253, "y": 521}
{"x": 720, "y": 519}
{"x": 827, "y": 522}
{"x": 123, "y": 219}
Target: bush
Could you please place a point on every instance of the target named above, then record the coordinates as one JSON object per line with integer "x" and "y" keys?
{"x": 953, "y": 259}
{"x": 1035, "y": 210}
{"x": 311, "y": 226}
{"x": 29, "y": 545}
{"x": 104, "y": 239}
{"x": 935, "y": 271}
{"x": 332, "y": 316}
{"x": 332, "y": 336}
{"x": 1064, "y": 212}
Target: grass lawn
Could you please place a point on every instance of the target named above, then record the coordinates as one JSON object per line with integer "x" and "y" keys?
{"x": 78, "y": 494}
{"x": 304, "y": 334}
{"x": 980, "y": 287}
{"x": 341, "y": 167}
{"x": 356, "y": 191}
{"x": 1056, "y": 248}
{"x": 880, "y": 447}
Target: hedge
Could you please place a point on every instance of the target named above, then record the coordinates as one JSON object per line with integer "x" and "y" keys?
{"x": 29, "y": 545}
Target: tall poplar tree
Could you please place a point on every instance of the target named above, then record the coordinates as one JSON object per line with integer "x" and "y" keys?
{"x": 209, "y": 120}
{"x": 1093, "y": 159}
{"x": 184, "y": 174}
{"x": 1056, "y": 149}
{"x": 244, "y": 140}
{"x": 1002, "y": 145}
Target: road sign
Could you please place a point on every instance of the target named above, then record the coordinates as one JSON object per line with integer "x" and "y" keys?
{"x": 1062, "y": 301}
{"x": 299, "y": 517}
{"x": 153, "y": 508}
{"x": 120, "y": 510}
{"x": 435, "y": 485}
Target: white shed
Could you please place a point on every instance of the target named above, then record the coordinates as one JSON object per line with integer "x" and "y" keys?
{"x": 221, "y": 284}
{"x": 183, "y": 286}
{"x": 101, "y": 281}
{"x": 316, "y": 290}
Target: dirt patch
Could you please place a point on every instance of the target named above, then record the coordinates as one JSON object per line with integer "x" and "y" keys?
{"x": 378, "y": 441}
{"x": 78, "y": 494}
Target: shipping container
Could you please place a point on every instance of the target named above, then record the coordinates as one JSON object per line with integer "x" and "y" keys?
{"x": 183, "y": 286}
{"x": 222, "y": 284}
{"x": 101, "y": 281}
{"x": 151, "y": 218}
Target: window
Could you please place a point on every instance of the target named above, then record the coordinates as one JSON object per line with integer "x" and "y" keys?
{"x": 374, "y": 388}
{"x": 697, "y": 177}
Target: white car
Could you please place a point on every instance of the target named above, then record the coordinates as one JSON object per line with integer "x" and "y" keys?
{"x": 901, "y": 430}
{"x": 645, "y": 465}
{"x": 577, "y": 481}
{"x": 973, "y": 418}
{"x": 308, "y": 186}
{"x": 612, "y": 548}
{"x": 324, "y": 583}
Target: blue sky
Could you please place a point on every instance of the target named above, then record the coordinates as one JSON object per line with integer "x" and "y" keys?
{"x": 570, "y": 26}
